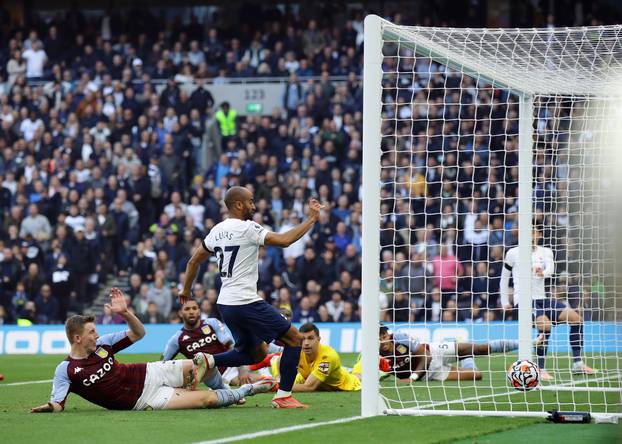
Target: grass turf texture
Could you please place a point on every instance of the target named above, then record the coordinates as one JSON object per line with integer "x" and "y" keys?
{"x": 83, "y": 421}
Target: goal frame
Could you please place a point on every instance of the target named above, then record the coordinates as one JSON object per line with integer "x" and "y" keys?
{"x": 371, "y": 402}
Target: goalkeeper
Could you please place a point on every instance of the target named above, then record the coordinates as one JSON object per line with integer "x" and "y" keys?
{"x": 409, "y": 359}
{"x": 319, "y": 368}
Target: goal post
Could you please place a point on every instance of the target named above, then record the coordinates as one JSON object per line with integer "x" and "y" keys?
{"x": 474, "y": 140}
{"x": 372, "y": 104}
{"x": 525, "y": 221}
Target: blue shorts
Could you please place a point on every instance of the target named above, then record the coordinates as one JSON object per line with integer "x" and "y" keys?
{"x": 549, "y": 307}
{"x": 254, "y": 323}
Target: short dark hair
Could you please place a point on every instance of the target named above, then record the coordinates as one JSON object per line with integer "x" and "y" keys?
{"x": 75, "y": 325}
{"x": 384, "y": 330}
{"x": 233, "y": 195}
{"x": 309, "y": 327}
{"x": 191, "y": 300}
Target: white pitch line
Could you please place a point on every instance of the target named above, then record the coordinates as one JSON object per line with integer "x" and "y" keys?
{"x": 10, "y": 384}
{"x": 278, "y": 431}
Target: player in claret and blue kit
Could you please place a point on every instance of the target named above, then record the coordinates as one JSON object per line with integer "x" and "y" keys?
{"x": 409, "y": 359}
{"x": 253, "y": 322}
{"x": 205, "y": 336}
{"x": 92, "y": 372}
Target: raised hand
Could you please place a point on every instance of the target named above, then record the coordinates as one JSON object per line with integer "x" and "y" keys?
{"x": 118, "y": 304}
{"x": 314, "y": 209}
{"x": 184, "y": 296}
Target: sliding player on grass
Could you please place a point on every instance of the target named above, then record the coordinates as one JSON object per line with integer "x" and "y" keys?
{"x": 253, "y": 322}
{"x": 409, "y": 359}
{"x": 548, "y": 311}
{"x": 92, "y": 372}
{"x": 209, "y": 336}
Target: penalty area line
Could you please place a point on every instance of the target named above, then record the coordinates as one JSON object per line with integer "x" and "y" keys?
{"x": 11, "y": 384}
{"x": 279, "y": 431}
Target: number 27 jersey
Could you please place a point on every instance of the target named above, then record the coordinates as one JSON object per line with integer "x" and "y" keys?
{"x": 236, "y": 243}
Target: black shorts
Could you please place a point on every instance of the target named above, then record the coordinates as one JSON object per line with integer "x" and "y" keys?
{"x": 549, "y": 307}
{"x": 254, "y": 323}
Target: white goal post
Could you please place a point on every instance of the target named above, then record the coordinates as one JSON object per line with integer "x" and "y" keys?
{"x": 535, "y": 113}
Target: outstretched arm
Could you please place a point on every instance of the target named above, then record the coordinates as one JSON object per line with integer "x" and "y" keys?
{"x": 118, "y": 305}
{"x": 423, "y": 362}
{"x": 289, "y": 237}
{"x": 311, "y": 384}
{"x": 504, "y": 286}
{"x": 60, "y": 389}
{"x": 200, "y": 255}
{"x": 50, "y": 407}
{"x": 549, "y": 264}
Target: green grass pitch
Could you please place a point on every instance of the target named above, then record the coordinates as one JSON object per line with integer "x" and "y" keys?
{"x": 85, "y": 422}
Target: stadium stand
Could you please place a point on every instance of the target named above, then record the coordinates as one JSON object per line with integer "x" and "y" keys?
{"x": 112, "y": 172}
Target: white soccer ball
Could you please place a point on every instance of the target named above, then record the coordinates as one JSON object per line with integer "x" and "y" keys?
{"x": 524, "y": 375}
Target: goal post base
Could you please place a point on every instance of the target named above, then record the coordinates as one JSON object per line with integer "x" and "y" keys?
{"x": 600, "y": 418}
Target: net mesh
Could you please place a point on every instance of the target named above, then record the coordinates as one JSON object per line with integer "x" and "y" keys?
{"x": 449, "y": 208}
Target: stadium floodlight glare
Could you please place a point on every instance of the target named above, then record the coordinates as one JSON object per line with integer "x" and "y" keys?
{"x": 473, "y": 139}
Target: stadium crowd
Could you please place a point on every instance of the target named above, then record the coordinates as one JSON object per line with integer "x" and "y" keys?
{"x": 104, "y": 173}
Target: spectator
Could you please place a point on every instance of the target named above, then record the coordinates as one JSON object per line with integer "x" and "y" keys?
{"x": 15, "y": 68}
{"x": 35, "y": 225}
{"x": 36, "y": 59}
{"x": 47, "y": 307}
{"x": 335, "y": 306}
{"x": 152, "y": 315}
{"x": 305, "y": 312}
{"x": 108, "y": 317}
{"x": 227, "y": 122}
{"x": 160, "y": 295}
{"x": 61, "y": 285}
{"x": 446, "y": 270}
{"x": 348, "y": 314}
{"x": 296, "y": 249}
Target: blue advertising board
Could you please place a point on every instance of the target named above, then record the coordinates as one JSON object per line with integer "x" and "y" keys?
{"x": 343, "y": 337}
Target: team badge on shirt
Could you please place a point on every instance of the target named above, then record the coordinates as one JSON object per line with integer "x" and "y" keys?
{"x": 401, "y": 349}
{"x": 206, "y": 330}
{"x": 323, "y": 367}
{"x": 101, "y": 352}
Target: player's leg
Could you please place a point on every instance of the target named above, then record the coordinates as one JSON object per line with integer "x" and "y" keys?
{"x": 543, "y": 325}
{"x": 202, "y": 399}
{"x": 466, "y": 349}
{"x": 463, "y": 374}
{"x": 186, "y": 373}
{"x": 248, "y": 348}
{"x": 230, "y": 376}
{"x": 575, "y": 323}
{"x": 288, "y": 366}
{"x": 268, "y": 324}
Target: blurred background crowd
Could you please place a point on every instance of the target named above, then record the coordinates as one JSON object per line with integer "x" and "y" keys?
{"x": 114, "y": 157}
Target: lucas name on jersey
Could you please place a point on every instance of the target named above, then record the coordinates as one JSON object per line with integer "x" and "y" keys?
{"x": 223, "y": 235}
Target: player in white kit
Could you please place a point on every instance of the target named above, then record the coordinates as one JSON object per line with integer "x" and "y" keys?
{"x": 252, "y": 321}
{"x": 547, "y": 311}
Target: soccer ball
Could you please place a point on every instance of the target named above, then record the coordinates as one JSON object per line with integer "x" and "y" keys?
{"x": 524, "y": 375}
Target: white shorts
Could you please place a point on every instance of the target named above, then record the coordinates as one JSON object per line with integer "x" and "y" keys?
{"x": 232, "y": 372}
{"x": 444, "y": 356}
{"x": 229, "y": 375}
{"x": 160, "y": 383}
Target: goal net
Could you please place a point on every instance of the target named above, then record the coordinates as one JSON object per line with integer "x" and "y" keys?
{"x": 477, "y": 141}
